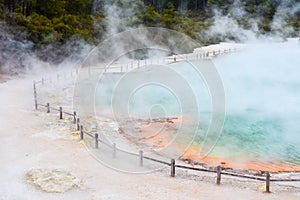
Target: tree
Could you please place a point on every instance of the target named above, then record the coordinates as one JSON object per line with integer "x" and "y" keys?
{"x": 79, "y": 7}
{"x": 26, "y": 7}
{"x": 50, "y": 8}
{"x": 1, "y": 7}
{"x": 10, "y": 5}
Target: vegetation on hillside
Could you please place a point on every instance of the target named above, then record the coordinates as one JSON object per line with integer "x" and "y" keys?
{"x": 46, "y": 22}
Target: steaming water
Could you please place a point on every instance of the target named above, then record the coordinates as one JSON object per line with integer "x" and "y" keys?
{"x": 262, "y": 88}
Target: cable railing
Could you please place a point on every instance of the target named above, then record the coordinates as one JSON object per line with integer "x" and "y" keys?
{"x": 137, "y": 64}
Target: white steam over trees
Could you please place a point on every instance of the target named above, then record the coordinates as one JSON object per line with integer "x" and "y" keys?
{"x": 57, "y": 25}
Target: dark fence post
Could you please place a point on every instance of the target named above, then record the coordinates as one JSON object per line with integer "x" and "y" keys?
{"x": 43, "y": 81}
{"x": 35, "y": 96}
{"x": 96, "y": 141}
{"x": 114, "y": 150}
{"x": 57, "y": 76}
{"x": 74, "y": 117}
{"x": 172, "y": 168}
{"x": 268, "y": 183}
{"x": 60, "y": 113}
{"x": 48, "y": 108}
{"x": 218, "y": 175}
{"x": 78, "y": 122}
{"x": 81, "y": 132}
{"x": 141, "y": 158}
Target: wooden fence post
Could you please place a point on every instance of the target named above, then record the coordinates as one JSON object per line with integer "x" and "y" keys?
{"x": 81, "y": 132}
{"x": 172, "y": 168}
{"x": 48, "y": 108}
{"x": 35, "y": 96}
{"x": 78, "y": 122}
{"x": 74, "y": 117}
{"x": 114, "y": 150}
{"x": 43, "y": 81}
{"x": 57, "y": 76}
{"x": 96, "y": 141}
{"x": 141, "y": 158}
{"x": 218, "y": 175}
{"x": 268, "y": 183}
{"x": 60, "y": 113}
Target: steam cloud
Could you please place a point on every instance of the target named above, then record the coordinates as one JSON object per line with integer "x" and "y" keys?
{"x": 20, "y": 55}
{"x": 228, "y": 29}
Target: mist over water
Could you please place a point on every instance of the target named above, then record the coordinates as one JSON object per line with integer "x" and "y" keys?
{"x": 262, "y": 88}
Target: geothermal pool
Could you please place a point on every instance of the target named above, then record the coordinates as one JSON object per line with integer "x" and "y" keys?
{"x": 262, "y": 104}
{"x": 262, "y": 88}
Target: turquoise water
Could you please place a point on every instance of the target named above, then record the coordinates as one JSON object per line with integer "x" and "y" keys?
{"x": 262, "y": 88}
{"x": 256, "y": 138}
{"x": 262, "y": 104}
